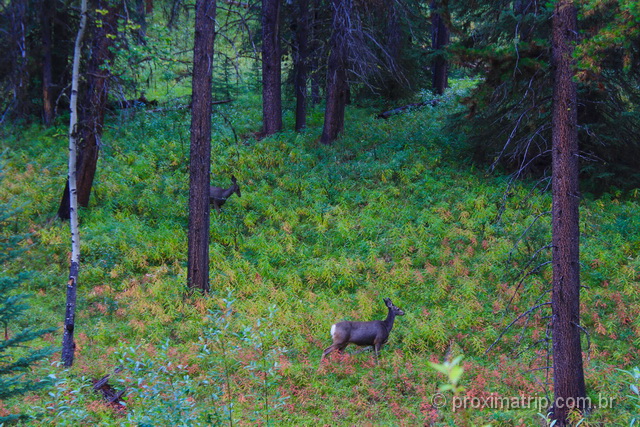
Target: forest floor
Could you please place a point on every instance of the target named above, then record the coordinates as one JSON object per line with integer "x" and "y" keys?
{"x": 321, "y": 234}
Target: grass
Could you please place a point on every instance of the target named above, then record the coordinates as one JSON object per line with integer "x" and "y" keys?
{"x": 320, "y": 234}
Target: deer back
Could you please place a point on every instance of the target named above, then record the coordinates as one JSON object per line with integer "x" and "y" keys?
{"x": 220, "y": 195}
{"x": 360, "y": 333}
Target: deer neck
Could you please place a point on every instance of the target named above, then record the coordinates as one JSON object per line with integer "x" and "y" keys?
{"x": 388, "y": 322}
{"x": 226, "y": 193}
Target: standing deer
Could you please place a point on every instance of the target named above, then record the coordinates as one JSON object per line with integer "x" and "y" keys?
{"x": 374, "y": 333}
{"x": 218, "y": 196}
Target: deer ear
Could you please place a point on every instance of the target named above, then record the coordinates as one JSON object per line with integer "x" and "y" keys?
{"x": 387, "y": 301}
{"x": 233, "y": 179}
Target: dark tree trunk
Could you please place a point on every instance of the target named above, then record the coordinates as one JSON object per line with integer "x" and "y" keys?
{"x": 315, "y": 83}
{"x": 337, "y": 85}
{"x": 315, "y": 27}
{"x": 568, "y": 373}
{"x": 200, "y": 154}
{"x": 141, "y": 12}
{"x": 393, "y": 41}
{"x": 48, "y": 99}
{"x": 300, "y": 58}
{"x": 271, "y": 73}
{"x": 393, "y": 44}
{"x": 92, "y": 109}
{"x": 68, "y": 342}
{"x": 439, "y": 40}
{"x": 18, "y": 56}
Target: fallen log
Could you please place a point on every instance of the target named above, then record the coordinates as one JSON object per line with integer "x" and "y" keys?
{"x": 225, "y": 101}
{"x": 387, "y": 114}
{"x": 185, "y": 106}
{"x": 110, "y": 394}
{"x": 142, "y": 101}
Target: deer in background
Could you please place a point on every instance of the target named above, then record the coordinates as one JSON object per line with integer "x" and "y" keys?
{"x": 218, "y": 196}
{"x": 374, "y": 333}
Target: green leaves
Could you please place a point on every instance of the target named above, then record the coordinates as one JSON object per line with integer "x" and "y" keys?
{"x": 453, "y": 371}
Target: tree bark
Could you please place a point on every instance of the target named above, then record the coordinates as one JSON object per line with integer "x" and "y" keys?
{"x": 337, "y": 85}
{"x": 200, "y": 152}
{"x": 300, "y": 58}
{"x": 394, "y": 80}
{"x": 569, "y": 385}
{"x": 271, "y": 68}
{"x": 315, "y": 83}
{"x": 93, "y": 107}
{"x": 439, "y": 40}
{"x": 19, "y": 57}
{"x": 47, "y": 15}
{"x": 141, "y": 12}
{"x": 68, "y": 343}
{"x": 315, "y": 27}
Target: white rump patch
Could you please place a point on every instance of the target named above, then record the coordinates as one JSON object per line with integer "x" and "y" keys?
{"x": 333, "y": 330}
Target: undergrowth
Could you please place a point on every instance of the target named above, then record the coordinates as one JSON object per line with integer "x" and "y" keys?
{"x": 320, "y": 234}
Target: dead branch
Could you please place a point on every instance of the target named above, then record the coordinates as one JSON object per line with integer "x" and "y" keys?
{"x": 186, "y": 106}
{"x": 504, "y": 331}
{"x": 110, "y": 394}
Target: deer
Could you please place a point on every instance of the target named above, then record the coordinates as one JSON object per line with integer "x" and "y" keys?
{"x": 374, "y": 333}
{"x": 218, "y": 196}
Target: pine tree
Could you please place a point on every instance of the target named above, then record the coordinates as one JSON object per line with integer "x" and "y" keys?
{"x": 200, "y": 157}
{"x": 568, "y": 372}
{"x": 15, "y": 356}
{"x": 271, "y": 67}
{"x": 509, "y": 112}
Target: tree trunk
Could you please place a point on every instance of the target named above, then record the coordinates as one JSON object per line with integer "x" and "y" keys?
{"x": 315, "y": 27}
{"x": 393, "y": 36}
{"x": 94, "y": 104}
{"x": 300, "y": 58}
{"x": 18, "y": 56}
{"x": 315, "y": 83}
{"x": 141, "y": 12}
{"x": 200, "y": 153}
{"x": 337, "y": 85}
{"x": 47, "y": 15}
{"x": 439, "y": 40}
{"x": 394, "y": 81}
{"x": 568, "y": 378}
{"x": 271, "y": 73}
{"x": 68, "y": 343}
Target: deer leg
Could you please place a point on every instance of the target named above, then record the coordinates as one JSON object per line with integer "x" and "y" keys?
{"x": 362, "y": 349}
{"x": 327, "y": 351}
{"x": 332, "y": 347}
{"x": 376, "y": 351}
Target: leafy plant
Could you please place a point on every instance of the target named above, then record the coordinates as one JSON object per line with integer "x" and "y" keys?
{"x": 634, "y": 384}
{"x": 453, "y": 371}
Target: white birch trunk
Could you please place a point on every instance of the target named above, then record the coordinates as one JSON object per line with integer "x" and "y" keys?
{"x": 68, "y": 344}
